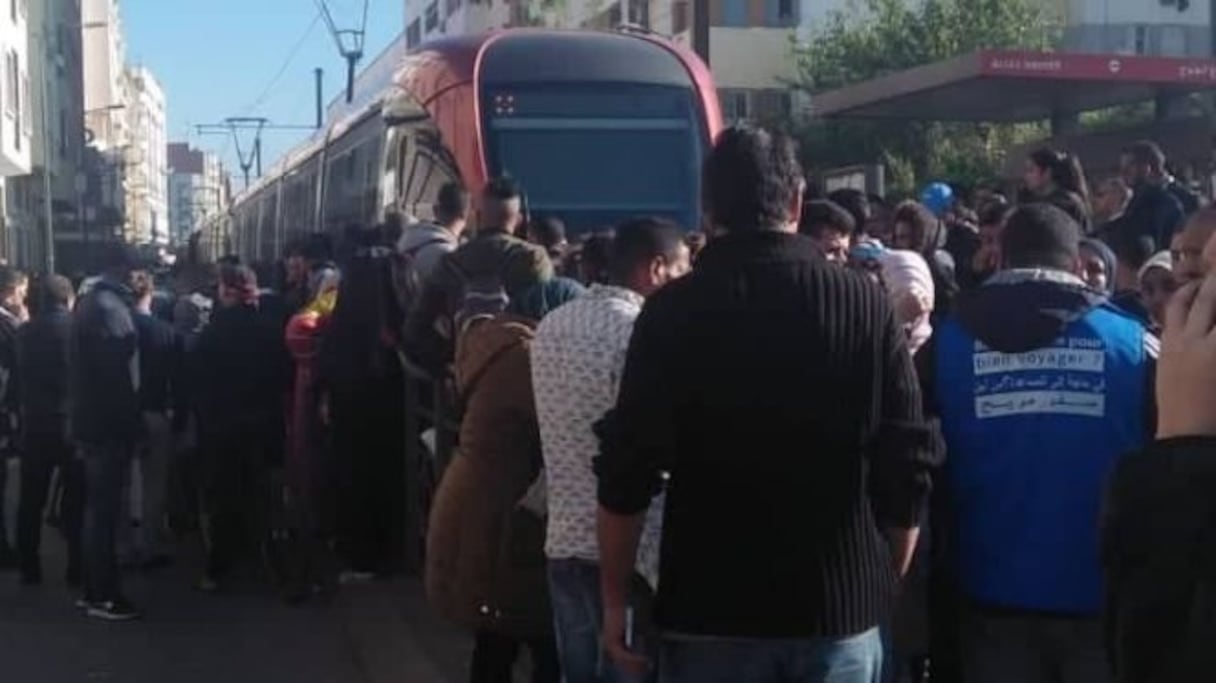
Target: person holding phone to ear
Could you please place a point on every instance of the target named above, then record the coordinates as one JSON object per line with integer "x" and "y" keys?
{"x": 1159, "y": 524}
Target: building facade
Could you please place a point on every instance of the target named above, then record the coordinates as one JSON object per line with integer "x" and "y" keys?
{"x": 57, "y": 144}
{"x": 105, "y": 120}
{"x": 429, "y": 19}
{"x": 198, "y": 190}
{"x": 16, "y": 129}
{"x": 147, "y": 214}
{"x": 1165, "y": 28}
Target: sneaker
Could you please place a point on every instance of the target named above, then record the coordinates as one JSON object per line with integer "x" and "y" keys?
{"x": 82, "y": 603}
{"x": 113, "y": 610}
{"x": 207, "y": 585}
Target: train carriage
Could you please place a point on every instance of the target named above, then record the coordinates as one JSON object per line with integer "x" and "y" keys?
{"x": 596, "y": 126}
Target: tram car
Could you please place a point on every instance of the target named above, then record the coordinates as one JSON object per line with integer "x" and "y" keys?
{"x": 595, "y": 126}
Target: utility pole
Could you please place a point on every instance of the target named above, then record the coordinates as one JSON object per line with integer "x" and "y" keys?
{"x": 319, "y": 73}
{"x": 700, "y": 29}
{"x": 234, "y": 126}
{"x": 349, "y": 42}
{"x": 48, "y": 212}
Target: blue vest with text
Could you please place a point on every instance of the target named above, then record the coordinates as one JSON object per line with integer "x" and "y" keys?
{"x": 1032, "y": 437}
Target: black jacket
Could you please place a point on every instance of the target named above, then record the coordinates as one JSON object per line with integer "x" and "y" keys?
{"x": 158, "y": 362}
{"x": 10, "y": 385}
{"x": 1153, "y": 211}
{"x": 44, "y": 350}
{"x": 240, "y": 372}
{"x": 777, "y": 391}
{"x": 105, "y": 367}
{"x": 1159, "y": 553}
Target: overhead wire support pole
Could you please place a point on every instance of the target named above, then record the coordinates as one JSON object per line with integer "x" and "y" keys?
{"x": 353, "y": 52}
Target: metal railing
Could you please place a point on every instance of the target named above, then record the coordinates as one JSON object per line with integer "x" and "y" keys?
{"x": 429, "y": 406}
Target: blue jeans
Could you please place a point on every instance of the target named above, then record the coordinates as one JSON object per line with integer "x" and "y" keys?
{"x": 856, "y": 659}
{"x": 105, "y": 469}
{"x": 574, "y": 590}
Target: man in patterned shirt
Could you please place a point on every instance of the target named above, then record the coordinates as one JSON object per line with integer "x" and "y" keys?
{"x": 577, "y": 359}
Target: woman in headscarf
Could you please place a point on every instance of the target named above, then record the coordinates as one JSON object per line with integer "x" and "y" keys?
{"x": 910, "y": 284}
{"x": 1157, "y": 285}
{"x": 485, "y": 546}
{"x": 1098, "y": 265}
{"x": 363, "y": 385}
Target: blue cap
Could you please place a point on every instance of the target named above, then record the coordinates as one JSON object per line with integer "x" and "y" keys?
{"x": 938, "y": 198}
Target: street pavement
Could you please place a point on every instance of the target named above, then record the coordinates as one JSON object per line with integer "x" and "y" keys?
{"x": 375, "y": 633}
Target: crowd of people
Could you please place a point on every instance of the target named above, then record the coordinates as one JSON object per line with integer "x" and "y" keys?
{"x": 819, "y": 439}
{"x": 733, "y": 457}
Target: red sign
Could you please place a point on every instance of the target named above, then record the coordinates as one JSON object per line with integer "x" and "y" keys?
{"x": 1088, "y": 67}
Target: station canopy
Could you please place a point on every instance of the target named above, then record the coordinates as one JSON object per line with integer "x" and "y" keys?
{"x": 1002, "y": 86}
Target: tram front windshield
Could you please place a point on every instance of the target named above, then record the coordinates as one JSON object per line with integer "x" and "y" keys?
{"x": 596, "y": 156}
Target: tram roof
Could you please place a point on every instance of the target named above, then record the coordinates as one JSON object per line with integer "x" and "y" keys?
{"x": 1010, "y": 86}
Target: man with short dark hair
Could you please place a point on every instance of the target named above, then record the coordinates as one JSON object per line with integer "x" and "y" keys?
{"x": 479, "y": 272}
{"x": 550, "y": 233}
{"x": 1153, "y": 210}
{"x": 830, "y": 227}
{"x": 159, "y": 360}
{"x": 577, "y": 358}
{"x": 43, "y": 354}
{"x": 106, "y": 421}
{"x": 426, "y": 243}
{"x": 772, "y": 396}
{"x": 1041, "y": 385}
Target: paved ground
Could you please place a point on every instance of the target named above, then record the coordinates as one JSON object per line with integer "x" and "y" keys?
{"x": 377, "y": 633}
{"x": 367, "y": 634}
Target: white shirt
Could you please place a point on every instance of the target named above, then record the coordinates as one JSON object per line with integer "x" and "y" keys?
{"x": 578, "y": 356}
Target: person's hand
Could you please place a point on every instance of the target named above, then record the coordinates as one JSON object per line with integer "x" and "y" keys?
{"x": 615, "y": 624}
{"x": 1186, "y": 370}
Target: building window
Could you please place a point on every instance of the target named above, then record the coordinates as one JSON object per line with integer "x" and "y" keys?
{"x": 432, "y": 16}
{"x": 639, "y": 13}
{"x": 734, "y": 104}
{"x": 679, "y": 16}
{"x": 452, "y": 7}
{"x": 733, "y": 12}
{"x": 782, "y": 13}
{"x": 413, "y": 35}
{"x": 1140, "y": 40}
{"x": 10, "y": 83}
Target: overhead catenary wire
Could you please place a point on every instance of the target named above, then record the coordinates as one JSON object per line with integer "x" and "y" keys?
{"x": 287, "y": 62}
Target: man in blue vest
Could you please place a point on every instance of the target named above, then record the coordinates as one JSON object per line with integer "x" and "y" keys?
{"x": 1042, "y": 385}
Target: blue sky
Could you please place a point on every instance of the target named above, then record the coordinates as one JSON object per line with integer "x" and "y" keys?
{"x": 219, "y": 58}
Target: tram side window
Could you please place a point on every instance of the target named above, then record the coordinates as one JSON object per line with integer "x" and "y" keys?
{"x": 426, "y": 175}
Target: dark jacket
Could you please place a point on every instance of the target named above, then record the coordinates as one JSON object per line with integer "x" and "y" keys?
{"x": 1159, "y": 553}
{"x": 44, "y": 350}
{"x": 105, "y": 367}
{"x": 777, "y": 392}
{"x": 240, "y": 372}
{"x": 428, "y": 337}
{"x": 10, "y": 385}
{"x": 159, "y": 349}
{"x": 1153, "y": 211}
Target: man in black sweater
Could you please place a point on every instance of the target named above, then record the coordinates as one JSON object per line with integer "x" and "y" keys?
{"x": 773, "y": 396}
{"x": 43, "y": 363}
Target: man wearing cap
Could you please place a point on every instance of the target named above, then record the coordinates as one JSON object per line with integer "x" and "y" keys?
{"x": 106, "y": 421}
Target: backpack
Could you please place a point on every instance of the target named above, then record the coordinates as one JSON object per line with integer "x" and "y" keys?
{"x": 407, "y": 282}
{"x": 484, "y": 293}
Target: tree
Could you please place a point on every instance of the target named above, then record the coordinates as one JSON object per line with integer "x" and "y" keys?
{"x": 878, "y": 37}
